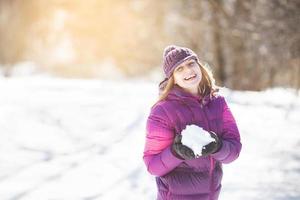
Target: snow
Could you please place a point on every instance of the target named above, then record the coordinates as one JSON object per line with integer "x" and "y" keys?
{"x": 196, "y": 138}
{"x": 83, "y": 139}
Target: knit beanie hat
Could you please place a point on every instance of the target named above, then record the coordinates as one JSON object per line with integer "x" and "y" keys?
{"x": 173, "y": 56}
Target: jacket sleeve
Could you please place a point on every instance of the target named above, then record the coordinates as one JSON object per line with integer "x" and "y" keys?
{"x": 159, "y": 136}
{"x": 231, "y": 145}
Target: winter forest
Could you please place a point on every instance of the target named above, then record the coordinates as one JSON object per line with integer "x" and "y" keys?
{"x": 78, "y": 79}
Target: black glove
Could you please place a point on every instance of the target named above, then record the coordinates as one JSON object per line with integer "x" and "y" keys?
{"x": 212, "y": 147}
{"x": 181, "y": 151}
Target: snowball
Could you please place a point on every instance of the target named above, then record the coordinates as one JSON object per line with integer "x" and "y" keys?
{"x": 196, "y": 137}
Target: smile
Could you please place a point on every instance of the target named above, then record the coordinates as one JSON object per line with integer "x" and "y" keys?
{"x": 191, "y": 77}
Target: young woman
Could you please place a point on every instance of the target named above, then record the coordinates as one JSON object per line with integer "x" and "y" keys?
{"x": 188, "y": 96}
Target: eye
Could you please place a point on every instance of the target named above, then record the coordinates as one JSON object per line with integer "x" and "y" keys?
{"x": 192, "y": 64}
{"x": 179, "y": 69}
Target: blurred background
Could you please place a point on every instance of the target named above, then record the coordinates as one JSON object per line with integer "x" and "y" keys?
{"x": 78, "y": 78}
{"x": 241, "y": 40}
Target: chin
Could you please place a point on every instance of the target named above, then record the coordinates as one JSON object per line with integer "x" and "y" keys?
{"x": 192, "y": 85}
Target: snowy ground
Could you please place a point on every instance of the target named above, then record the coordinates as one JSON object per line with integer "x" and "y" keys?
{"x": 83, "y": 140}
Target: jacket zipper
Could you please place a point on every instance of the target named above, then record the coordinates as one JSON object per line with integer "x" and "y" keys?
{"x": 211, "y": 167}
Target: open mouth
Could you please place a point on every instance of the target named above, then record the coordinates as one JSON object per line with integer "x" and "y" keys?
{"x": 190, "y": 77}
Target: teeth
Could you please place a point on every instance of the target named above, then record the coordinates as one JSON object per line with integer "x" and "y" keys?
{"x": 190, "y": 77}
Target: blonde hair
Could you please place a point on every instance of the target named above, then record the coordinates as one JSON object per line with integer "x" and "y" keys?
{"x": 206, "y": 86}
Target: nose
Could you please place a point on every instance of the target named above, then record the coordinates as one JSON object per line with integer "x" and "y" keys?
{"x": 189, "y": 70}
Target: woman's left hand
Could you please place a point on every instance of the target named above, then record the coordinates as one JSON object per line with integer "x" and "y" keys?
{"x": 212, "y": 147}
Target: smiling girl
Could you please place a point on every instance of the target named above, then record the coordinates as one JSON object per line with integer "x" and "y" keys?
{"x": 188, "y": 96}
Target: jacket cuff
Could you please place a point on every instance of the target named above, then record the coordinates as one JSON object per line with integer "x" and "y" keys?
{"x": 223, "y": 151}
{"x": 170, "y": 160}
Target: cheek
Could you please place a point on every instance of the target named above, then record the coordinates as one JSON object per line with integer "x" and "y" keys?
{"x": 178, "y": 80}
{"x": 200, "y": 74}
{"x": 178, "y": 77}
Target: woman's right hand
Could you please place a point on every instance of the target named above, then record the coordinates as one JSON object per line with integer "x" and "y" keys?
{"x": 181, "y": 151}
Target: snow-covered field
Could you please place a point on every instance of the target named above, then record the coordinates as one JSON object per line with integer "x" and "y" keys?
{"x": 83, "y": 140}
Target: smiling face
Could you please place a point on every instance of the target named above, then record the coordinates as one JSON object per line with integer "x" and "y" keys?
{"x": 188, "y": 76}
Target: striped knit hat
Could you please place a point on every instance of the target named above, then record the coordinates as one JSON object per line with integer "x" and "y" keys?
{"x": 173, "y": 56}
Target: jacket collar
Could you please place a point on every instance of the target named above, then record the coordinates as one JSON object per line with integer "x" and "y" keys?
{"x": 180, "y": 94}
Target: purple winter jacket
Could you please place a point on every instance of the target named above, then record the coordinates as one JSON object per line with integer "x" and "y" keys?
{"x": 200, "y": 178}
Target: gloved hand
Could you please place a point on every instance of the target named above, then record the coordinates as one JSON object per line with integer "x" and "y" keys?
{"x": 181, "y": 151}
{"x": 212, "y": 147}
